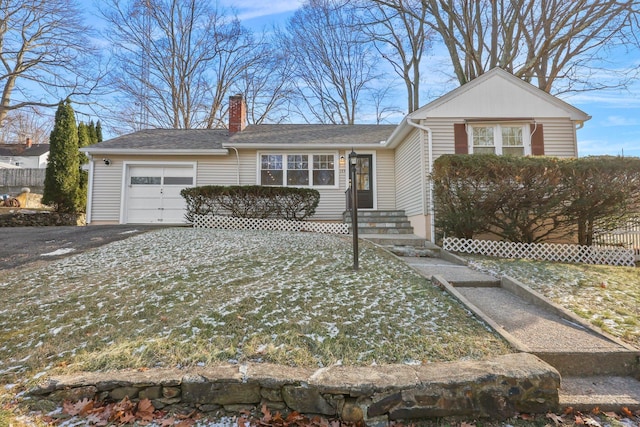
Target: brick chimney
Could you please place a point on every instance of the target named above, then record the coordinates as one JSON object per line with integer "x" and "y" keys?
{"x": 237, "y": 114}
{"x": 29, "y": 143}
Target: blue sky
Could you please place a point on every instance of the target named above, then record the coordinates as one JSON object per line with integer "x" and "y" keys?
{"x": 613, "y": 129}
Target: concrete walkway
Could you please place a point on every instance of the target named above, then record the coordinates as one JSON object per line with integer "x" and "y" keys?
{"x": 596, "y": 369}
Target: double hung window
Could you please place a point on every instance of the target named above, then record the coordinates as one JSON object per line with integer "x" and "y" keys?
{"x": 508, "y": 139}
{"x": 298, "y": 170}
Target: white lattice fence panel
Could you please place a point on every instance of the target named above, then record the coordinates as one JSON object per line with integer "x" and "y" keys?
{"x": 542, "y": 251}
{"x": 234, "y": 223}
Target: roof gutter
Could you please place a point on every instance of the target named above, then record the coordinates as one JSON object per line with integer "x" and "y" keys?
{"x": 316, "y": 146}
{"x": 396, "y": 135}
{"x": 427, "y": 129}
{"x": 157, "y": 152}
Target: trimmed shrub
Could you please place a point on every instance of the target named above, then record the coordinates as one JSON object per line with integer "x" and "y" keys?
{"x": 528, "y": 199}
{"x": 604, "y": 193}
{"x": 516, "y": 198}
{"x": 251, "y": 201}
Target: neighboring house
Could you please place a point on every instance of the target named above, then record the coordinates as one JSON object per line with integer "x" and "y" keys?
{"x": 25, "y": 156}
{"x": 8, "y": 166}
{"x": 137, "y": 178}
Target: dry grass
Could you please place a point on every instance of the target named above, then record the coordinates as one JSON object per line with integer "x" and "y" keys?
{"x": 176, "y": 297}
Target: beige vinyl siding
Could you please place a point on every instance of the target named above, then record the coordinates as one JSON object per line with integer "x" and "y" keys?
{"x": 107, "y": 184}
{"x": 408, "y": 172}
{"x": 248, "y": 166}
{"x": 332, "y": 200}
{"x": 107, "y": 188}
{"x": 386, "y": 186}
{"x": 442, "y": 135}
{"x": 558, "y": 136}
{"x": 217, "y": 170}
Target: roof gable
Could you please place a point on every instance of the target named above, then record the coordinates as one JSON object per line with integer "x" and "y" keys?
{"x": 498, "y": 94}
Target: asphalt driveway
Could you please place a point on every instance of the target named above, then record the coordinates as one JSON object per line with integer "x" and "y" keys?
{"x": 22, "y": 245}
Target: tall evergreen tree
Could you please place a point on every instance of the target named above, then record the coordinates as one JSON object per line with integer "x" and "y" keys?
{"x": 84, "y": 139}
{"x": 99, "y": 131}
{"x": 92, "y": 132}
{"x": 63, "y": 170}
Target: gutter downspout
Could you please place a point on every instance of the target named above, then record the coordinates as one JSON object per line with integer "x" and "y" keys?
{"x": 89, "y": 190}
{"x": 237, "y": 165}
{"x": 579, "y": 125}
{"x": 432, "y": 224}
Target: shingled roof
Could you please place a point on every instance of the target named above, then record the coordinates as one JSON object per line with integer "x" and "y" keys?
{"x": 282, "y": 134}
{"x": 7, "y": 150}
{"x": 167, "y": 139}
{"x": 271, "y": 135}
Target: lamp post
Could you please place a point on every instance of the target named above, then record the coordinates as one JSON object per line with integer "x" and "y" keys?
{"x": 353, "y": 162}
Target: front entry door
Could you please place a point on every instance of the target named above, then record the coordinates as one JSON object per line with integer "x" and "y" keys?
{"x": 364, "y": 181}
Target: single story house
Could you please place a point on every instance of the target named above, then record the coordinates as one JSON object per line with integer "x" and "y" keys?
{"x": 25, "y": 156}
{"x": 137, "y": 178}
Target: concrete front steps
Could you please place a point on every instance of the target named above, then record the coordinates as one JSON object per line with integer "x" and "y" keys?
{"x": 393, "y": 222}
{"x": 597, "y": 370}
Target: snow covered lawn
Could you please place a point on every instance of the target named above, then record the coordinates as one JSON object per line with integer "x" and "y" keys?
{"x": 608, "y": 297}
{"x": 181, "y": 296}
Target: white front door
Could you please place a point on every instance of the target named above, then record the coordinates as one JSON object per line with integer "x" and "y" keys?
{"x": 153, "y": 193}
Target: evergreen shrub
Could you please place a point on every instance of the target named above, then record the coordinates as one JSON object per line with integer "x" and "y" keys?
{"x": 251, "y": 201}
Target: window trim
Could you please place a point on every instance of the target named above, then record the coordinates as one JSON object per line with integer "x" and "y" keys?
{"x": 310, "y": 169}
{"x": 497, "y": 135}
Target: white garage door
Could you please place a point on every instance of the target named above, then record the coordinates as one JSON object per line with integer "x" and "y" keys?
{"x": 153, "y": 194}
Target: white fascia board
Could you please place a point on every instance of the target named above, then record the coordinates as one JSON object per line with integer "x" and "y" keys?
{"x": 141, "y": 151}
{"x": 398, "y": 134}
{"x": 319, "y": 146}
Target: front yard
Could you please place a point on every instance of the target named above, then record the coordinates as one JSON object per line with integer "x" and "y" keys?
{"x": 179, "y": 297}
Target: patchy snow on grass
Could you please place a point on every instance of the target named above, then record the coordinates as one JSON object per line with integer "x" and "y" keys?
{"x": 62, "y": 251}
{"x": 606, "y": 296}
{"x": 180, "y": 297}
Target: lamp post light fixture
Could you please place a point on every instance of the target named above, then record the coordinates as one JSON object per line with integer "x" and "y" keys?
{"x": 353, "y": 162}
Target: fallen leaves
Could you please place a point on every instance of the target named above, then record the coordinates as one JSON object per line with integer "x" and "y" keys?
{"x": 123, "y": 412}
{"x": 557, "y": 419}
{"x": 143, "y": 413}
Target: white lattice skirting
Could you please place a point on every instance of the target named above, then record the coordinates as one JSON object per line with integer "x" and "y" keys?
{"x": 233, "y": 223}
{"x": 543, "y": 251}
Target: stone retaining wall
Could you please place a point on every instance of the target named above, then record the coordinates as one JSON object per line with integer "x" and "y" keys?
{"x": 26, "y": 218}
{"x": 497, "y": 388}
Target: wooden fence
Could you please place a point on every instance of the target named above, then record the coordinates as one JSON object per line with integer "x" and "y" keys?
{"x": 627, "y": 236}
{"x": 22, "y": 177}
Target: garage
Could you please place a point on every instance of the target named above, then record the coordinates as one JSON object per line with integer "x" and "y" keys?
{"x": 153, "y": 193}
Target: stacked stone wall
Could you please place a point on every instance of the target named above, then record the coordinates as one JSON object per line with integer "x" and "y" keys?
{"x": 498, "y": 388}
{"x": 27, "y": 218}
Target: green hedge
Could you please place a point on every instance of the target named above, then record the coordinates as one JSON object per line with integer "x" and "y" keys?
{"x": 252, "y": 201}
{"x": 527, "y": 199}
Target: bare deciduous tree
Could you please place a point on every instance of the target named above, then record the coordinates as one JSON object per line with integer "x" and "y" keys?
{"x": 176, "y": 60}
{"x": 26, "y": 123}
{"x": 45, "y": 54}
{"x": 558, "y": 45}
{"x": 267, "y": 86}
{"x": 333, "y": 62}
{"x": 401, "y": 36}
